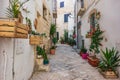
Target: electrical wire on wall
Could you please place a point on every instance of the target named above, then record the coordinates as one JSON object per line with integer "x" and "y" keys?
{"x": 5, "y": 57}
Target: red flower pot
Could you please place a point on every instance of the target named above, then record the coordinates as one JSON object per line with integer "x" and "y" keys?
{"x": 84, "y": 55}
{"x": 74, "y": 36}
{"x": 52, "y": 51}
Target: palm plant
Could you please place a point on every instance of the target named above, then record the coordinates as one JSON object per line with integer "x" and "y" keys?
{"x": 110, "y": 60}
{"x": 14, "y": 9}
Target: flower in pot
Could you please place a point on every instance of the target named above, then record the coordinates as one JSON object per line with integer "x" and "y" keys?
{"x": 84, "y": 53}
{"x": 94, "y": 47}
{"x": 52, "y": 50}
{"x": 109, "y": 63}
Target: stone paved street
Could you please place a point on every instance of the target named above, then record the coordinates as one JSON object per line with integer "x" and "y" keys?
{"x": 66, "y": 64}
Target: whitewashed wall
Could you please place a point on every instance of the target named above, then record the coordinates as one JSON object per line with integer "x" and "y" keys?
{"x": 109, "y": 22}
{"x": 17, "y": 55}
{"x": 70, "y": 25}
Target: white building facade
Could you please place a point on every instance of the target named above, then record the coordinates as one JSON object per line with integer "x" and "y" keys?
{"x": 108, "y": 22}
{"x": 65, "y": 12}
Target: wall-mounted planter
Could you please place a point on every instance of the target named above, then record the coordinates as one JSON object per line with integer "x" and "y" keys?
{"x": 88, "y": 36}
{"x": 36, "y": 40}
{"x": 13, "y": 29}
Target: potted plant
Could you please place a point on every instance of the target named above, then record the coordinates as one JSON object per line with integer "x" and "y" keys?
{"x": 52, "y": 50}
{"x": 84, "y": 53}
{"x": 53, "y": 38}
{"x": 46, "y": 60}
{"x": 39, "y": 52}
{"x": 62, "y": 40}
{"x": 13, "y": 10}
{"x": 15, "y": 27}
{"x": 94, "y": 46}
{"x": 109, "y": 63}
{"x": 42, "y": 54}
{"x": 36, "y": 38}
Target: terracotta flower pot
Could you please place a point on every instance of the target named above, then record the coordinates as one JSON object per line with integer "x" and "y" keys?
{"x": 93, "y": 61}
{"x": 52, "y": 51}
{"x": 84, "y": 55}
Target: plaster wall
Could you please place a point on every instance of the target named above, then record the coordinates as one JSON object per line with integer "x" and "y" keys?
{"x": 17, "y": 55}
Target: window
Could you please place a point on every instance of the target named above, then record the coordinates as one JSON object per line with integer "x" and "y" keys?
{"x": 61, "y": 4}
{"x": 66, "y": 17}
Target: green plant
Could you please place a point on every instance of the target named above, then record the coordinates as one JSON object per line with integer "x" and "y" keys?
{"x": 66, "y": 36}
{"x": 53, "y": 47}
{"x": 84, "y": 50}
{"x": 28, "y": 21}
{"x": 35, "y": 33}
{"x": 71, "y": 41}
{"x": 54, "y": 40}
{"x": 110, "y": 60}
{"x": 52, "y": 30}
{"x": 43, "y": 35}
{"x": 96, "y": 40}
{"x": 14, "y": 9}
{"x": 61, "y": 39}
{"x": 39, "y": 50}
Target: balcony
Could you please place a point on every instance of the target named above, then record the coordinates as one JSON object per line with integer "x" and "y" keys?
{"x": 81, "y": 11}
{"x": 54, "y": 13}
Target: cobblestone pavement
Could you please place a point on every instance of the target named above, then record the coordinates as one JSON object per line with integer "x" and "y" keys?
{"x": 66, "y": 64}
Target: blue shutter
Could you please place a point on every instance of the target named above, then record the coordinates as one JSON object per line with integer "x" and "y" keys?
{"x": 61, "y": 4}
{"x": 66, "y": 17}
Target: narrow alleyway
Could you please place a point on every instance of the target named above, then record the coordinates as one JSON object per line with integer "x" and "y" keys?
{"x": 66, "y": 64}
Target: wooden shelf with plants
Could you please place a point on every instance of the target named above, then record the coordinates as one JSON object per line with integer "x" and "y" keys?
{"x": 12, "y": 29}
{"x": 35, "y": 40}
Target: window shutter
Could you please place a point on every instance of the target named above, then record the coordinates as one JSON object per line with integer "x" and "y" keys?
{"x": 61, "y": 4}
